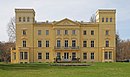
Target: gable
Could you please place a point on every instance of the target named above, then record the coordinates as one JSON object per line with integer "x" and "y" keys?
{"x": 66, "y": 22}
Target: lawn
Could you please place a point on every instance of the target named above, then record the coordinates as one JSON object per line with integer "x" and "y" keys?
{"x": 45, "y": 70}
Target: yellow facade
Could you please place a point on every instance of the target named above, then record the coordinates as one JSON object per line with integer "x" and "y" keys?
{"x": 66, "y": 40}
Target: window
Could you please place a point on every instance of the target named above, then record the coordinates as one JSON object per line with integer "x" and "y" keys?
{"x": 106, "y": 19}
{"x": 73, "y": 43}
{"x": 24, "y": 43}
{"x": 102, "y": 19}
{"x": 24, "y": 32}
{"x": 84, "y": 32}
{"x": 25, "y": 55}
{"x": 84, "y": 55}
{"x": 84, "y": 43}
{"x": 14, "y": 55}
{"x": 39, "y": 55}
{"x": 21, "y": 55}
{"x": 66, "y": 32}
{"x": 39, "y": 43}
{"x": 58, "y": 55}
{"x": 108, "y": 55}
{"x": 58, "y": 43}
{"x": 47, "y": 32}
{"x": 47, "y": 55}
{"x": 107, "y": 32}
{"x": 110, "y": 19}
{"x": 23, "y": 19}
{"x": 73, "y": 55}
{"x": 28, "y": 19}
{"x": 107, "y": 43}
{"x": 39, "y": 32}
{"x": 58, "y": 32}
{"x": 19, "y": 19}
{"x": 92, "y": 32}
{"x": 105, "y": 55}
{"x": 47, "y": 43}
{"x": 92, "y": 43}
{"x": 73, "y": 32}
{"x": 66, "y": 43}
{"x": 92, "y": 55}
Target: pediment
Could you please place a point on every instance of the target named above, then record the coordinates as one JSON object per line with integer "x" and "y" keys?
{"x": 66, "y": 22}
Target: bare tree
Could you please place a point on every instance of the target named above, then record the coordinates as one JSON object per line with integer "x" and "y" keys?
{"x": 93, "y": 18}
{"x": 11, "y": 30}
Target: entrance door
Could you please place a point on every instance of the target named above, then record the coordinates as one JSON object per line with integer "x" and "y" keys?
{"x": 66, "y": 55}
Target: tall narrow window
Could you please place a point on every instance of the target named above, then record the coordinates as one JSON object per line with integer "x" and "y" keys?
{"x": 92, "y": 43}
{"x": 47, "y": 43}
{"x": 58, "y": 55}
{"x": 21, "y": 55}
{"x": 73, "y": 32}
{"x": 84, "y": 43}
{"x": 84, "y": 55}
{"x": 39, "y": 32}
{"x": 28, "y": 19}
{"x": 58, "y": 43}
{"x": 105, "y": 55}
{"x": 92, "y": 55}
{"x": 107, "y": 32}
{"x": 14, "y": 55}
{"x": 25, "y": 55}
{"x": 92, "y": 32}
{"x": 66, "y": 43}
{"x": 73, "y": 55}
{"x": 58, "y": 32}
{"x": 66, "y": 32}
{"x": 84, "y": 32}
{"x": 39, "y": 43}
{"x": 24, "y": 43}
{"x": 47, "y": 55}
{"x": 23, "y": 19}
{"x": 24, "y": 32}
{"x": 110, "y": 19}
{"x": 102, "y": 19}
{"x": 19, "y": 19}
{"x": 39, "y": 55}
{"x": 107, "y": 43}
{"x": 47, "y": 32}
{"x": 106, "y": 19}
{"x": 110, "y": 55}
{"x": 73, "y": 43}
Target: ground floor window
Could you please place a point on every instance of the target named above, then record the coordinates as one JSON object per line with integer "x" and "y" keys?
{"x": 92, "y": 55}
{"x": 23, "y": 55}
{"x": 14, "y": 55}
{"x": 39, "y": 55}
{"x": 73, "y": 55}
{"x": 47, "y": 55}
{"x": 108, "y": 55}
{"x": 58, "y": 55}
{"x": 84, "y": 55}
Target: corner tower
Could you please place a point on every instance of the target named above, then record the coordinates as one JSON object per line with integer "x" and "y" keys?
{"x": 25, "y": 19}
{"x": 107, "y": 24}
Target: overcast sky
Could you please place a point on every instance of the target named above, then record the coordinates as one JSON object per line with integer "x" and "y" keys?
{"x": 80, "y": 10}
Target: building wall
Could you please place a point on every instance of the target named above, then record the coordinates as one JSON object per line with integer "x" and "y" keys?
{"x": 31, "y": 27}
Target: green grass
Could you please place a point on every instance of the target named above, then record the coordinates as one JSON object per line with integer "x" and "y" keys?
{"x": 45, "y": 70}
